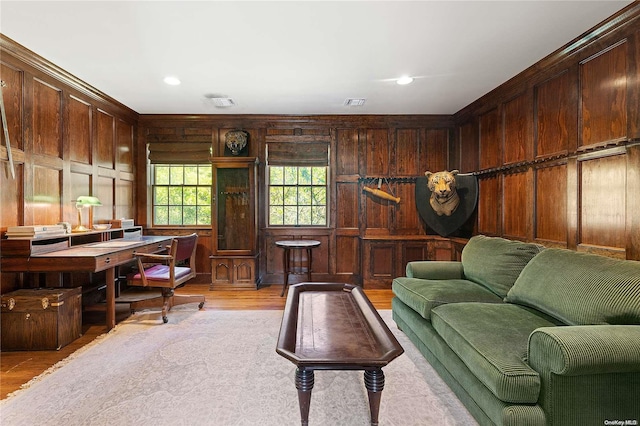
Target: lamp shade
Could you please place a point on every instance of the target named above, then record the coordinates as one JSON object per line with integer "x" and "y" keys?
{"x": 87, "y": 200}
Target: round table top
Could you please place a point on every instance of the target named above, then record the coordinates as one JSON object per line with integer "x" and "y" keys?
{"x": 298, "y": 243}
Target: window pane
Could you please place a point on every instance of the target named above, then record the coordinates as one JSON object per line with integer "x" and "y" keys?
{"x": 319, "y": 175}
{"x": 319, "y": 215}
{"x": 161, "y": 215}
{"x": 304, "y": 176}
{"x": 291, "y": 215}
{"x": 304, "y": 215}
{"x": 189, "y": 195}
{"x": 204, "y": 196}
{"x": 290, "y": 196}
{"x": 290, "y": 175}
{"x": 276, "y": 196}
{"x": 161, "y": 195}
{"x": 191, "y": 175}
{"x": 304, "y": 195}
{"x": 205, "y": 175}
{"x": 189, "y": 215}
{"x": 162, "y": 175}
{"x": 276, "y": 175}
{"x": 204, "y": 215}
{"x": 319, "y": 196}
{"x": 276, "y": 215}
{"x": 177, "y": 174}
{"x": 175, "y": 215}
{"x": 175, "y": 195}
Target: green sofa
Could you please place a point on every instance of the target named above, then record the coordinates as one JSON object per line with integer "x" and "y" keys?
{"x": 526, "y": 335}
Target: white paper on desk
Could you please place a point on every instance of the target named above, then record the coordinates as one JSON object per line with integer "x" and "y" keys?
{"x": 114, "y": 244}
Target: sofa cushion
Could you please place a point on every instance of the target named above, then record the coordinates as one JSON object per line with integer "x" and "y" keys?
{"x": 580, "y": 288}
{"x": 496, "y": 262}
{"x": 491, "y": 339}
{"x": 423, "y": 295}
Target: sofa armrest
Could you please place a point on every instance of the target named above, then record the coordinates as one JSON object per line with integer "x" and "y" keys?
{"x": 435, "y": 270}
{"x": 586, "y": 349}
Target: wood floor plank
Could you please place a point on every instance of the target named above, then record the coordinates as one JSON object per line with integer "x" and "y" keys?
{"x": 18, "y": 368}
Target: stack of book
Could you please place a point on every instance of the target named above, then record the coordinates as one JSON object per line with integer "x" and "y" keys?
{"x": 35, "y": 231}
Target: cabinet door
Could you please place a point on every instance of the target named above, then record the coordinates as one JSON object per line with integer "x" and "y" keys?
{"x": 244, "y": 271}
{"x": 221, "y": 271}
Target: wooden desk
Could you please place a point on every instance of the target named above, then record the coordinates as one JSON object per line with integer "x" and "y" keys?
{"x": 91, "y": 257}
{"x": 288, "y": 245}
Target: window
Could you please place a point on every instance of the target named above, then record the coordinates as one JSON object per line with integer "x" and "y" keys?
{"x": 182, "y": 194}
{"x": 297, "y": 196}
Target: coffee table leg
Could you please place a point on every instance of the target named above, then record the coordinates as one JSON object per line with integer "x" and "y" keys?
{"x": 304, "y": 384}
{"x": 374, "y": 382}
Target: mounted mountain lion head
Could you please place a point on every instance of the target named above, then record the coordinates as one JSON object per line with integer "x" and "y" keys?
{"x": 444, "y": 195}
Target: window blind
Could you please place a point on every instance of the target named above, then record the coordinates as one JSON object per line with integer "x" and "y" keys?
{"x": 314, "y": 154}
{"x": 179, "y": 152}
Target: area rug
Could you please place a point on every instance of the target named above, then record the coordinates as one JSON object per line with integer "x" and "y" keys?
{"x": 213, "y": 367}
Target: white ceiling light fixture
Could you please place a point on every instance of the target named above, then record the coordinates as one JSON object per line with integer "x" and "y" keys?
{"x": 405, "y": 79}
{"x": 171, "y": 80}
{"x": 354, "y": 102}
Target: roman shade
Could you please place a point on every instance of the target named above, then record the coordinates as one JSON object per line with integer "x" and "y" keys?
{"x": 313, "y": 154}
{"x": 179, "y": 152}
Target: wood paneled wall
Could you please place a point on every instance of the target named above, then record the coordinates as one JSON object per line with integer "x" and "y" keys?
{"x": 67, "y": 139}
{"x": 556, "y": 148}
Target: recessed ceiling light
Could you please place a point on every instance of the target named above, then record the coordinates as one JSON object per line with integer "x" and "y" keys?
{"x": 404, "y": 80}
{"x": 172, "y": 81}
{"x": 354, "y": 101}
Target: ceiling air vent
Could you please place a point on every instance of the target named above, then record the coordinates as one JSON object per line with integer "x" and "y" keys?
{"x": 354, "y": 102}
{"x": 219, "y": 101}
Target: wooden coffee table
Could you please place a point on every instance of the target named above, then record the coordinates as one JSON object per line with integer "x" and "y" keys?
{"x": 333, "y": 326}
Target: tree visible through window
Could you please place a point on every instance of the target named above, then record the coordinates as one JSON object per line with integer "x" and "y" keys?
{"x": 297, "y": 195}
{"x": 182, "y": 194}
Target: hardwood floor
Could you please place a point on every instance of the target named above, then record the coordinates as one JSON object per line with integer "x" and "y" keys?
{"x": 17, "y": 368}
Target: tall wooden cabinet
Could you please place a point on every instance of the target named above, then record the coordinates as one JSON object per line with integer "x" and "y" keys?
{"x": 234, "y": 262}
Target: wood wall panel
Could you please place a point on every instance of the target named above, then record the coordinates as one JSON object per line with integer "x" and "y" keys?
{"x": 518, "y": 136}
{"x": 124, "y": 199}
{"x": 517, "y": 206}
{"x": 556, "y": 110}
{"x": 11, "y": 195}
{"x": 377, "y": 152}
{"x": 602, "y": 202}
{"x": 377, "y": 213}
{"x": 347, "y": 205}
{"x": 79, "y": 130}
{"x": 603, "y": 82}
{"x": 47, "y": 119}
{"x": 105, "y": 140}
{"x": 346, "y": 152}
{"x": 347, "y": 255}
{"x": 80, "y": 184}
{"x": 434, "y": 152}
{"x": 124, "y": 146}
{"x": 104, "y": 190}
{"x": 407, "y": 220}
{"x": 551, "y": 204}
{"x": 469, "y": 154}
{"x": 490, "y": 141}
{"x": 47, "y": 190}
{"x": 13, "y": 96}
{"x": 407, "y": 142}
{"x": 489, "y": 205}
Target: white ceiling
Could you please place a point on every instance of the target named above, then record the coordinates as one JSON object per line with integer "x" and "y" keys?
{"x": 298, "y": 57}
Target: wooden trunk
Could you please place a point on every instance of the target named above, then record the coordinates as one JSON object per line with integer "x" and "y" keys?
{"x": 41, "y": 319}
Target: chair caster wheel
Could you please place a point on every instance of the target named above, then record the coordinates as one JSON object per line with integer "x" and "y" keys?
{"x": 165, "y": 319}
{"x": 200, "y": 305}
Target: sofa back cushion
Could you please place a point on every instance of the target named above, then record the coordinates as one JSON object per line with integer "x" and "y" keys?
{"x": 580, "y": 288}
{"x": 496, "y": 262}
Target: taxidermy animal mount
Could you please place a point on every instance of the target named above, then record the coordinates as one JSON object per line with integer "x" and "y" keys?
{"x": 236, "y": 141}
{"x": 444, "y": 198}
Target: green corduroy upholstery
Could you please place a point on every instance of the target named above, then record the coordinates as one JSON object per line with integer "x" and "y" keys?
{"x": 496, "y": 357}
{"x": 439, "y": 270}
{"x": 496, "y": 262}
{"x": 423, "y": 295}
{"x": 580, "y": 288}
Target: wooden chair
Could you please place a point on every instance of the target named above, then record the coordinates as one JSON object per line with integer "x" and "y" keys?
{"x": 167, "y": 272}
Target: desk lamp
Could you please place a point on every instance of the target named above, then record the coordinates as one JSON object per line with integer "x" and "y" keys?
{"x": 82, "y": 202}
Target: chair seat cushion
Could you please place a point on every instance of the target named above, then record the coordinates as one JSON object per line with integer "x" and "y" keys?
{"x": 161, "y": 273}
{"x": 491, "y": 339}
{"x": 423, "y": 295}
